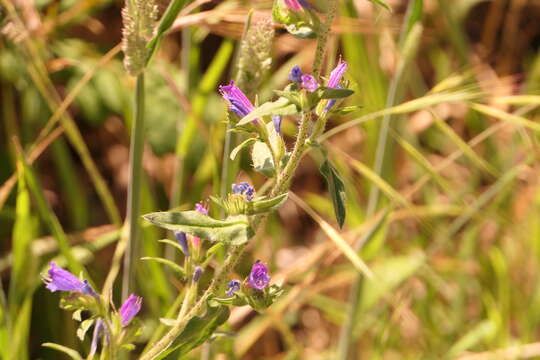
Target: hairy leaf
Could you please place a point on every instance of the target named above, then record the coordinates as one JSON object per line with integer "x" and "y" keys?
{"x": 281, "y": 106}
{"x": 262, "y": 159}
{"x": 234, "y": 230}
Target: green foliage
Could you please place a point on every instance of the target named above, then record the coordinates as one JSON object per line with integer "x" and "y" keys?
{"x": 336, "y": 189}
{"x": 234, "y": 230}
{"x": 198, "y": 330}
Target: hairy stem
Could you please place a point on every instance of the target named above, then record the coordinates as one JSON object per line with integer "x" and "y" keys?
{"x": 168, "y": 338}
{"x": 323, "y": 37}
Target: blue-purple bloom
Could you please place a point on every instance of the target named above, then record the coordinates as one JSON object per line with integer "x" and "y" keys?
{"x": 239, "y": 103}
{"x": 87, "y": 289}
{"x": 335, "y": 77}
{"x": 295, "y": 5}
{"x": 197, "y": 273}
{"x": 182, "y": 241}
{"x": 200, "y": 208}
{"x": 309, "y": 83}
{"x": 232, "y": 287}
{"x": 129, "y": 309}
{"x": 245, "y": 189}
{"x": 62, "y": 280}
{"x": 98, "y": 329}
{"x": 337, "y": 74}
{"x": 296, "y": 74}
{"x": 258, "y": 277}
{"x": 276, "y": 119}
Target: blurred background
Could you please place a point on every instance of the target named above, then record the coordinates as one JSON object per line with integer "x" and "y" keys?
{"x": 448, "y": 220}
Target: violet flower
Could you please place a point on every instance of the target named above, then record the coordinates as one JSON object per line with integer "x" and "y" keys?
{"x": 276, "y": 119}
{"x": 258, "y": 277}
{"x": 295, "y": 5}
{"x": 245, "y": 189}
{"x": 309, "y": 83}
{"x": 62, "y": 280}
{"x": 182, "y": 241}
{"x": 337, "y": 74}
{"x": 232, "y": 287}
{"x": 200, "y": 208}
{"x": 98, "y": 329}
{"x": 239, "y": 103}
{"x": 197, "y": 273}
{"x": 296, "y": 74}
{"x": 129, "y": 309}
{"x": 335, "y": 77}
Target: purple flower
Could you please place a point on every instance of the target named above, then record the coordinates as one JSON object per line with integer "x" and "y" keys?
{"x": 232, "y": 287}
{"x": 63, "y": 280}
{"x": 245, "y": 189}
{"x": 295, "y": 5}
{"x": 182, "y": 240}
{"x": 337, "y": 74}
{"x": 98, "y": 329}
{"x": 309, "y": 83}
{"x": 200, "y": 208}
{"x": 87, "y": 289}
{"x": 197, "y": 273}
{"x": 296, "y": 74}
{"x": 333, "y": 82}
{"x": 239, "y": 103}
{"x": 258, "y": 277}
{"x": 129, "y": 309}
{"x": 276, "y": 119}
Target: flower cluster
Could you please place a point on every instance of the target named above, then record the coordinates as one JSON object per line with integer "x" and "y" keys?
{"x": 244, "y": 189}
{"x": 81, "y": 296}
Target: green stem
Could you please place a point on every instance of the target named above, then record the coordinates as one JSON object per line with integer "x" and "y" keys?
{"x": 165, "y": 342}
{"x": 134, "y": 187}
{"x": 323, "y": 37}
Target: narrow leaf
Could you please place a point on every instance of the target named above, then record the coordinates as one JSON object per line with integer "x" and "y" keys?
{"x": 197, "y": 331}
{"x": 335, "y": 93}
{"x": 262, "y": 206}
{"x": 244, "y": 144}
{"x": 281, "y": 106}
{"x": 336, "y": 189}
{"x": 234, "y": 230}
{"x": 166, "y": 262}
{"x": 69, "y": 352}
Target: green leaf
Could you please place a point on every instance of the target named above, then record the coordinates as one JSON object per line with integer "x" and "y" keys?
{"x": 234, "y": 230}
{"x": 334, "y": 93}
{"x": 197, "y": 331}
{"x": 262, "y": 159}
{"x": 83, "y": 328}
{"x": 165, "y": 23}
{"x": 336, "y": 189}
{"x": 168, "y": 263}
{"x": 173, "y": 244}
{"x": 69, "y": 352}
{"x": 381, "y": 3}
{"x": 281, "y": 106}
{"x": 346, "y": 110}
{"x": 244, "y": 144}
{"x": 263, "y": 206}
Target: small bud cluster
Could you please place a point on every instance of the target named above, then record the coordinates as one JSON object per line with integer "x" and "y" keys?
{"x": 81, "y": 296}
